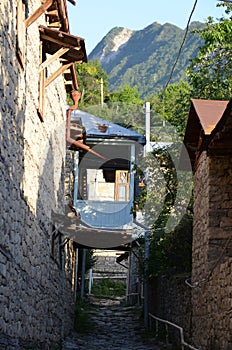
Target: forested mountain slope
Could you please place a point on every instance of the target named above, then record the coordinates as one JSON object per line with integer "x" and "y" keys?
{"x": 145, "y": 57}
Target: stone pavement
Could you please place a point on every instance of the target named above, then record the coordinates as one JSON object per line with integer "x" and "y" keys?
{"x": 116, "y": 327}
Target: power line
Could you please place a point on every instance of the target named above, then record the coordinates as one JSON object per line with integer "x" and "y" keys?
{"x": 181, "y": 46}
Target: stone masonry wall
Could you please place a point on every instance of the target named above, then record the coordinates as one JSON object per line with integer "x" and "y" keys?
{"x": 170, "y": 299}
{"x": 107, "y": 267}
{"x": 36, "y": 291}
{"x": 212, "y": 260}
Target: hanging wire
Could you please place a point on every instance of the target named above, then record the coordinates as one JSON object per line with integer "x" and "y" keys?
{"x": 181, "y": 46}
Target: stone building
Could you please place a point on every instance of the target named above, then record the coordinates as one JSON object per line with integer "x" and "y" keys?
{"x": 202, "y": 304}
{"x": 208, "y": 140}
{"x": 37, "y": 56}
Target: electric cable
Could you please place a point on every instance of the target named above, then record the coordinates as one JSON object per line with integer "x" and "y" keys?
{"x": 181, "y": 46}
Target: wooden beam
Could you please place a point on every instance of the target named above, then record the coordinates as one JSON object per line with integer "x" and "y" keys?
{"x": 53, "y": 13}
{"x": 52, "y": 58}
{"x": 59, "y": 42}
{"x": 57, "y": 73}
{"x": 54, "y": 25}
{"x": 38, "y": 13}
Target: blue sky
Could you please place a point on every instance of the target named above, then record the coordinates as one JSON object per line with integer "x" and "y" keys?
{"x": 92, "y": 20}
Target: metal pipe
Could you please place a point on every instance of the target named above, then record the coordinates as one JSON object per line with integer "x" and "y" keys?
{"x": 75, "y": 95}
{"x": 146, "y": 286}
{"x": 76, "y": 277}
{"x": 146, "y": 268}
{"x": 147, "y": 127}
{"x": 75, "y": 185}
{"x": 90, "y": 280}
{"x": 83, "y": 273}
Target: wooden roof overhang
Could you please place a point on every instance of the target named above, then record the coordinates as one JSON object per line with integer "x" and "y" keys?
{"x": 220, "y": 141}
{"x": 56, "y": 16}
{"x": 54, "y": 40}
{"x": 204, "y": 117}
{"x": 68, "y": 48}
{"x": 86, "y": 236}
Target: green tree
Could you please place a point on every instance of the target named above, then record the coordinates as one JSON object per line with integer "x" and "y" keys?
{"x": 127, "y": 106}
{"x": 89, "y": 78}
{"x": 126, "y": 94}
{"x": 210, "y": 73}
{"x": 170, "y": 251}
{"x": 123, "y": 107}
{"x": 173, "y": 105}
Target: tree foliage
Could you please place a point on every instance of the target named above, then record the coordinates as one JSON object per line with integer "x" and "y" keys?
{"x": 173, "y": 105}
{"x": 172, "y": 252}
{"x": 165, "y": 199}
{"x": 90, "y": 76}
{"x": 210, "y": 73}
{"x": 126, "y": 94}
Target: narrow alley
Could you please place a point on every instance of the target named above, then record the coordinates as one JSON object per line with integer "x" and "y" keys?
{"x": 113, "y": 326}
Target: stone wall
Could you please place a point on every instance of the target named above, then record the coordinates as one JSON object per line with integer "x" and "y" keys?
{"x": 170, "y": 299}
{"x": 212, "y": 254}
{"x": 36, "y": 288}
{"x": 204, "y": 311}
{"x": 107, "y": 267}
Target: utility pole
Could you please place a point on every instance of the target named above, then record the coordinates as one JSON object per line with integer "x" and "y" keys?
{"x": 101, "y": 83}
{"x": 147, "y": 127}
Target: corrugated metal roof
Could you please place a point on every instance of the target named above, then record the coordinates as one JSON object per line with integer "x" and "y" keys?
{"x": 209, "y": 113}
{"x": 97, "y": 127}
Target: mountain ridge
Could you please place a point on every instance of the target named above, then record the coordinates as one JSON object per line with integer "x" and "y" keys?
{"x": 144, "y": 58}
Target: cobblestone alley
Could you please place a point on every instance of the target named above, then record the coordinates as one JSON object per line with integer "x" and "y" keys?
{"x": 115, "y": 327}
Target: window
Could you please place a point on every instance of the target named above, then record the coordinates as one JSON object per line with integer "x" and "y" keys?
{"x": 122, "y": 185}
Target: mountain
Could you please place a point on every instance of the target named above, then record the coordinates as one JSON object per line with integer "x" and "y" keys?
{"x": 145, "y": 57}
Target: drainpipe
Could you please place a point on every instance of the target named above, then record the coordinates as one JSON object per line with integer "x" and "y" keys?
{"x": 75, "y": 185}
{"x": 75, "y": 95}
{"x": 146, "y": 266}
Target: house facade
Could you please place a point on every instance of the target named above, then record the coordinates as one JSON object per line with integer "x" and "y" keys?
{"x": 104, "y": 179}
{"x": 102, "y": 189}
{"x": 37, "y": 55}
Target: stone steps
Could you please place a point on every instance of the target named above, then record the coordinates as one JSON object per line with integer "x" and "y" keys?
{"x": 116, "y": 327}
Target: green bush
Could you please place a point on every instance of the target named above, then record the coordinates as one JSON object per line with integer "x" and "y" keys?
{"x": 108, "y": 287}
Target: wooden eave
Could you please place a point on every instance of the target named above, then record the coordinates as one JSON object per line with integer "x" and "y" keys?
{"x": 206, "y": 127}
{"x": 68, "y": 48}
{"x": 54, "y": 40}
{"x": 86, "y": 236}
{"x": 220, "y": 141}
{"x": 56, "y": 16}
{"x": 55, "y": 11}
